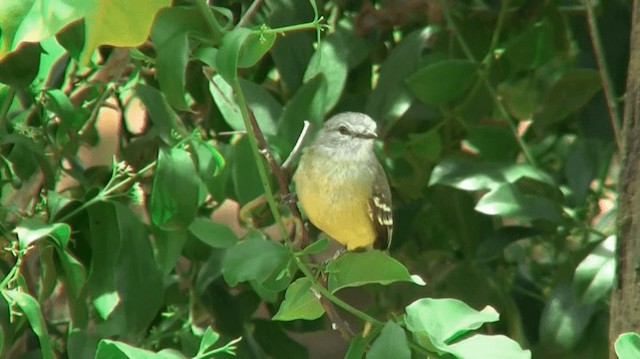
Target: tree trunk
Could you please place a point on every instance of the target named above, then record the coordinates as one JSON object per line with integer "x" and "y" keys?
{"x": 625, "y": 297}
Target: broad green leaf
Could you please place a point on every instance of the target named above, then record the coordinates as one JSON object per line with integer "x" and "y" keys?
{"x": 303, "y": 106}
{"x": 170, "y": 37}
{"x": 26, "y": 152}
{"x": 567, "y": 94}
{"x": 316, "y": 247}
{"x": 276, "y": 343}
{"x": 265, "y": 108}
{"x": 120, "y": 23}
{"x": 292, "y": 52}
{"x": 175, "y": 191}
{"x": 31, "y": 229}
{"x": 254, "y": 258}
{"x": 353, "y": 269}
{"x": 111, "y": 349}
{"x": 357, "y": 347}
{"x": 471, "y": 175}
{"x": 532, "y": 48}
{"x": 74, "y": 277}
{"x": 245, "y": 176}
{"x": 443, "y": 81}
{"x": 214, "y": 234}
{"x": 35, "y": 20}
{"x": 595, "y": 275}
{"x": 627, "y": 346}
{"x": 426, "y": 145}
{"x": 391, "y": 343}
{"x": 435, "y": 323}
{"x": 520, "y": 97}
{"x": 300, "y": 302}
{"x": 106, "y": 236}
{"x": 52, "y": 54}
{"x": 241, "y": 48}
{"x": 480, "y": 346}
{"x": 508, "y": 201}
{"x": 563, "y": 320}
{"x": 584, "y": 160}
{"x": 493, "y": 143}
{"x": 164, "y": 119}
{"x": 168, "y": 244}
{"x": 330, "y": 60}
{"x": 390, "y": 98}
{"x": 33, "y": 313}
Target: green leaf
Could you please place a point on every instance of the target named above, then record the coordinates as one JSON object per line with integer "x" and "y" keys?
{"x": 245, "y": 176}
{"x": 331, "y": 61}
{"x": 595, "y": 275}
{"x": 74, "y": 277}
{"x": 119, "y": 23}
{"x": 437, "y": 322}
{"x": 209, "y": 338}
{"x": 563, "y": 320}
{"x": 303, "y": 106}
{"x": 111, "y": 349}
{"x": 390, "y": 99}
{"x": 481, "y": 346}
{"x": 391, "y": 343}
{"x": 443, "y": 81}
{"x": 33, "y": 313}
{"x": 254, "y": 258}
{"x": 164, "y": 119}
{"x": 426, "y": 146}
{"x": 353, "y": 269}
{"x": 470, "y": 175}
{"x": 170, "y": 38}
{"x": 214, "y": 234}
{"x": 169, "y": 244}
{"x": 241, "y": 48}
{"x": 627, "y": 346}
{"x": 316, "y": 247}
{"x": 25, "y": 21}
{"x": 106, "y": 237}
{"x": 508, "y": 201}
{"x": 300, "y": 302}
{"x": 532, "y": 48}
{"x": 567, "y": 94}
{"x": 31, "y": 229}
{"x": 265, "y": 108}
{"x": 357, "y": 347}
{"x": 175, "y": 192}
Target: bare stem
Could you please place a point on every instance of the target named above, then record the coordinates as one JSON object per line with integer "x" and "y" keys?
{"x": 607, "y": 84}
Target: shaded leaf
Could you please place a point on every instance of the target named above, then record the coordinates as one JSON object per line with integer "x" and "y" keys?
{"x": 443, "y": 81}
{"x": 391, "y": 343}
{"x": 216, "y": 235}
{"x": 254, "y": 258}
{"x": 508, "y": 201}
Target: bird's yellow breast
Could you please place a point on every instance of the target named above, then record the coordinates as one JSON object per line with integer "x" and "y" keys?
{"x": 337, "y": 203}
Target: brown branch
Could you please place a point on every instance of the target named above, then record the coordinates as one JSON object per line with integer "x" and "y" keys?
{"x": 284, "y": 177}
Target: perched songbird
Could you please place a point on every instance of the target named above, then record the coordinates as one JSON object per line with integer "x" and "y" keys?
{"x": 341, "y": 186}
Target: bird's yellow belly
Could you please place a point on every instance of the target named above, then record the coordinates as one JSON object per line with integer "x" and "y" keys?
{"x": 338, "y": 209}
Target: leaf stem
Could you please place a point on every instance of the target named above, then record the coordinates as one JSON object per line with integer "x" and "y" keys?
{"x": 483, "y": 73}
{"x": 607, "y": 83}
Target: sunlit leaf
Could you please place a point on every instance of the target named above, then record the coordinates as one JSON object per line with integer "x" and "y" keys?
{"x": 300, "y": 302}
{"x": 391, "y": 343}
{"x": 595, "y": 275}
{"x": 627, "y": 346}
{"x": 353, "y": 269}
{"x": 254, "y": 258}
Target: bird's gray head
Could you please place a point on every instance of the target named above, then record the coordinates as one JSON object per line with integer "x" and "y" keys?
{"x": 350, "y": 133}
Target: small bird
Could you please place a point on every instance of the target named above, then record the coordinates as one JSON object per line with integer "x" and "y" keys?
{"x": 342, "y": 187}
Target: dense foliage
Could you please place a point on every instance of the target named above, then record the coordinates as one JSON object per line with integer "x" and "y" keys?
{"x": 499, "y": 130}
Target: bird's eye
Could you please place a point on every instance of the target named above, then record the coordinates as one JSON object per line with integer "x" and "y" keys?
{"x": 343, "y": 130}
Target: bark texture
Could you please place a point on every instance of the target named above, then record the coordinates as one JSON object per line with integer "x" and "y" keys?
{"x": 625, "y": 297}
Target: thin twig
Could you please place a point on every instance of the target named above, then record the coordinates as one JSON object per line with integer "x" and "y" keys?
{"x": 250, "y": 12}
{"x": 298, "y": 146}
{"x": 607, "y": 84}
